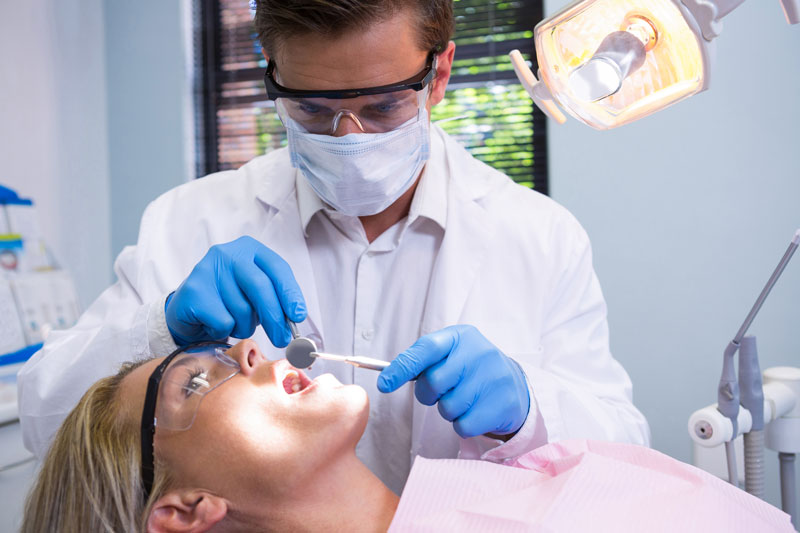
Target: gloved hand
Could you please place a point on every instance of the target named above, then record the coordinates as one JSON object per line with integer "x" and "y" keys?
{"x": 235, "y": 287}
{"x": 478, "y": 388}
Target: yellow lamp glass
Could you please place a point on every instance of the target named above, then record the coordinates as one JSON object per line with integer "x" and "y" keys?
{"x": 592, "y": 70}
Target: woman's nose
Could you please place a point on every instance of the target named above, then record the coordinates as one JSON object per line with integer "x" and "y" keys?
{"x": 248, "y": 355}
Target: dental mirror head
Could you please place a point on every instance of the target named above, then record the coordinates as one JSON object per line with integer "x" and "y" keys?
{"x": 299, "y": 351}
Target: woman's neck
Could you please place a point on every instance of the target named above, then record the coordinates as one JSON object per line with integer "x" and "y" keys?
{"x": 342, "y": 496}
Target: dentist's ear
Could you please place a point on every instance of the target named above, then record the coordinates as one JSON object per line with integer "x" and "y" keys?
{"x": 187, "y": 510}
{"x": 443, "y": 68}
{"x": 266, "y": 55}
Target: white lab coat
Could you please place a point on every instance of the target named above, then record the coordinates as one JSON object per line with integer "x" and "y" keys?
{"x": 513, "y": 263}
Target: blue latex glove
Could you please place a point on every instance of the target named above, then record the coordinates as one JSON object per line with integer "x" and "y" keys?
{"x": 478, "y": 388}
{"x": 235, "y": 287}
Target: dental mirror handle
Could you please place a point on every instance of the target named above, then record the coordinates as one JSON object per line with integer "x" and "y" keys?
{"x": 355, "y": 360}
{"x": 367, "y": 362}
{"x": 370, "y": 363}
{"x": 293, "y": 328}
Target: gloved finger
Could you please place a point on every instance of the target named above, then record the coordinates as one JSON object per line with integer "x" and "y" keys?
{"x": 439, "y": 378}
{"x": 238, "y": 306}
{"x": 258, "y": 289}
{"x": 427, "y": 351}
{"x": 290, "y": 297}
{"x": 196, "y": 313}
{"x": 215, "y": 319}
{"x": 482, "y": 417}
{"x": 425, "y": 392}
{"x": 459, "y": 400}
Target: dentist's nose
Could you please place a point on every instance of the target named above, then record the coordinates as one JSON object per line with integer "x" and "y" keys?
{"x": 248, "y": 355}
{"x": 344, "y": 122}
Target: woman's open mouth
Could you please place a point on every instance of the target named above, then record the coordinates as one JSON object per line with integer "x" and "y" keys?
{"x": 295, "y": 381}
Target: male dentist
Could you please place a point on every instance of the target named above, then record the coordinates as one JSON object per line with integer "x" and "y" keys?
{"x": 380, "y": 236}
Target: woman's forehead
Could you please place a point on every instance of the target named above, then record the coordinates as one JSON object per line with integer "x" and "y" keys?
{"x": 134, "y": 386}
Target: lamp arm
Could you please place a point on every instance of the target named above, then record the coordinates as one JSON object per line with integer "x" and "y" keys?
{"x": 709, "y": 13}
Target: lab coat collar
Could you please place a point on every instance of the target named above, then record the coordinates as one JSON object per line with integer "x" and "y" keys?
{"x": 465, "y": 244}
{"x": 284, "y": 235}
{"x": 430, "y": 199}
{"x": 307, "y": 201}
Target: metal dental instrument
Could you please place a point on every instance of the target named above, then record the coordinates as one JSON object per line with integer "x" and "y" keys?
{"x": 300, "y": 348}
{"x": 302, "y": 352}
{"x": 355, "y": 360}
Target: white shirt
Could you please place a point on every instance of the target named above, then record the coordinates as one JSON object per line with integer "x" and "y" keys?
{"x": 373, "y": 310}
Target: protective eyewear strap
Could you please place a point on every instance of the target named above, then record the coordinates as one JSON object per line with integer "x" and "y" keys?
{"x": 148, "y": 423}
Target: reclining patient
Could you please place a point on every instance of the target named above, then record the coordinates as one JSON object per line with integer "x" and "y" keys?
{"x": 221, "y": 439}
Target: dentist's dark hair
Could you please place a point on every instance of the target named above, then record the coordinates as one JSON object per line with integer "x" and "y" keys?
{"x": 277, "y": 20}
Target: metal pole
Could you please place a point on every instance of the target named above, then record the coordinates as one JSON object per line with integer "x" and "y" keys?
{"x": 788, "y": 489}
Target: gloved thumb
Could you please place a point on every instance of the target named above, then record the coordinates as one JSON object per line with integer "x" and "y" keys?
{"x": 427, "y": 351}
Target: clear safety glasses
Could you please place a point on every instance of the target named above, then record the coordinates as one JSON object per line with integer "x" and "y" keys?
{"x": 174, "y": 392}
{"x": 372, "y": 110}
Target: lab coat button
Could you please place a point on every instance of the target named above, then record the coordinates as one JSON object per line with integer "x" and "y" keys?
{"x": 367, "y": 334}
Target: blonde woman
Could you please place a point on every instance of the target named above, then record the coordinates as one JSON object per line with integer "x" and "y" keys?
{"x": 218, "y": 438}
{"x": 266, "y": 459}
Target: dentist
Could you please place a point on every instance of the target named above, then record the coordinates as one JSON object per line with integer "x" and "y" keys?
{"x": 381, "y": 236}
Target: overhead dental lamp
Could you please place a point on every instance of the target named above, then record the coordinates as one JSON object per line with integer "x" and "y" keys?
{"x": 610, "y": 62}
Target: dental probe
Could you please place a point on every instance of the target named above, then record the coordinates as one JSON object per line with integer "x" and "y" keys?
{"x": 355, "y": 360}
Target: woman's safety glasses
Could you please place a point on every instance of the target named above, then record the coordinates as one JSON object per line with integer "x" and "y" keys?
{"x": 373, "y": 110}
{"x": 174, "y": 392}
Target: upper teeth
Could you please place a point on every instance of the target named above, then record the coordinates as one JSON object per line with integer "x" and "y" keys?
{"x": 293, "y": 379}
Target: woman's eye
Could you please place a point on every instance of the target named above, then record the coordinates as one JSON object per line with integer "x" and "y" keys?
{"x": 198, "y": 380}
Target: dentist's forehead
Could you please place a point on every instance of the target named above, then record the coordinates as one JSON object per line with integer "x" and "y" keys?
{"x": 385, "y": 53}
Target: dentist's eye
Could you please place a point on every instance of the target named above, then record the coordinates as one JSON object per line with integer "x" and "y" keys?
{"x": 309, "y": 109}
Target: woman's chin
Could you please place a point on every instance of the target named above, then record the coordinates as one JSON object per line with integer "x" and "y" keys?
{"x": 349, "y": 408}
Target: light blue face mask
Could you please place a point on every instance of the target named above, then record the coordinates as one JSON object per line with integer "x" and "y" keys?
{"x": 362, "y": 174}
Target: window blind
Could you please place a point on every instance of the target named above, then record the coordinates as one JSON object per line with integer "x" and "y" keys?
{"x": 485, "y": 107}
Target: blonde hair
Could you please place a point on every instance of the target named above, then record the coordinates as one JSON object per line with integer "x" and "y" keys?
{"x": 90, "y": 479}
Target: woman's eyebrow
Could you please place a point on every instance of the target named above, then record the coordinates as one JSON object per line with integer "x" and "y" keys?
{"x": 184, "y": 361}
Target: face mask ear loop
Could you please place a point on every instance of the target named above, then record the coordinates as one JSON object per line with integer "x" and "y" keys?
{"x": 338, "y": 117}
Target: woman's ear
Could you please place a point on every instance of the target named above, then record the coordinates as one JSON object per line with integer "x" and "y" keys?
{"x": 184, "y": 511}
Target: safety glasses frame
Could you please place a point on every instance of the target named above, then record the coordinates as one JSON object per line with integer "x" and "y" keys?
{"x": 416, "y": 83}
{"x": 148, "y": 423}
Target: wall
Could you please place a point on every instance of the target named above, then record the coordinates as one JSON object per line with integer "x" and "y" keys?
{"x": 149, "y": 111}
{"x": 689, "y": 211}
{"x": 53, "y": 148}
{"x": 97, "y": 123}
{"x": 53, "y": 128}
